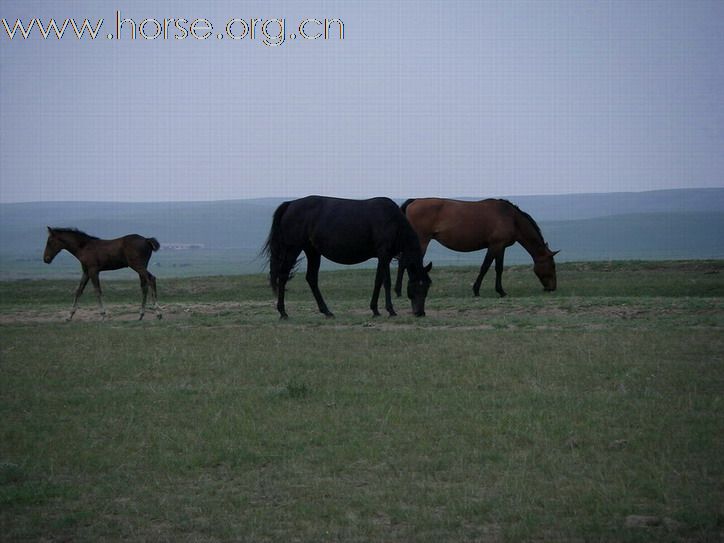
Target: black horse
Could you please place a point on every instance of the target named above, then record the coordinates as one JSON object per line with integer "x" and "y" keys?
{"x": 346, "y": 232}
{"x": 97, "y": 255}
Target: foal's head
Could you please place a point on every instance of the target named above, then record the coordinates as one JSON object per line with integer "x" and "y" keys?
{"x": 417, "y": 288}
{"x": 53, "y": 246}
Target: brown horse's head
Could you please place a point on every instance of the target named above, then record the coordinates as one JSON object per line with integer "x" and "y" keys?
{"x": 417, "y": 288}
{"x": 52, "y": 247}
{"x": 545, "y": 269}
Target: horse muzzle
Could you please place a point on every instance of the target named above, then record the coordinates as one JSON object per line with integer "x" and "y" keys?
{"x": 47, "y": 259}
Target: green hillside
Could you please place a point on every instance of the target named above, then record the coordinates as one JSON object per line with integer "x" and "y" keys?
{"x": 684, "y": 224}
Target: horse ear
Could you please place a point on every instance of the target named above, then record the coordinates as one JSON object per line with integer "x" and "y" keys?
{"x": 50, "y": 230}
{"x": 428, "y": 267}
{"x": 554, "y": 253}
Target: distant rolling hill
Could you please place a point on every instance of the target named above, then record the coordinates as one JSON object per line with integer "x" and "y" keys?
{"x": 672, "y": 224}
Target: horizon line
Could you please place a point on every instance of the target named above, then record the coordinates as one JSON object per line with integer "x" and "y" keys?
{"x": 532, "y": 195}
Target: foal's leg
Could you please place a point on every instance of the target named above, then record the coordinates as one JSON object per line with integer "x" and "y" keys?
{"x": 499, "y": 274}
{"x": 154, "y": 294}
{"x": 97, "y": 286}
{"x": 144, "y": 290}
{"x": 78, "y": 292}
{"x": 487, "y": 261}
{"x": 313, "y": 262}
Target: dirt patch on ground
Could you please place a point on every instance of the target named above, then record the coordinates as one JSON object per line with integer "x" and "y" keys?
{"x": 130, "y": 312}
{"x": 584, "y": 313}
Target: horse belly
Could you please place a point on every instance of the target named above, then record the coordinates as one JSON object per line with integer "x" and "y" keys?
{"x": 463, "y": 242}
{"x": 344, "y": 253}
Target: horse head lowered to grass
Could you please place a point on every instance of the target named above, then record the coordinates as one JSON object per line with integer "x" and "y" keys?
{"x": 487, "y": 224}
{"x": 346, "y": 232}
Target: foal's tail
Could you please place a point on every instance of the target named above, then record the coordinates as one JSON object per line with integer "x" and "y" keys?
{"x": 153, "y": 242}
{"x": 403, "y": 207}
{"x": 273, "y": 247}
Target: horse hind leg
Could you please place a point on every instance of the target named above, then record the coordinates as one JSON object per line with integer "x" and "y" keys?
{"x": 282, "y": 276}
{"x": 313, "y": 262}
{"x": 154, "y": 295}
{"x": 97, "y": 286}
{"x": 144, "y": 291}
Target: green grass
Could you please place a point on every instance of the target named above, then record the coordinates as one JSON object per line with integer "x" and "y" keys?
{"x": 531, "y": 418}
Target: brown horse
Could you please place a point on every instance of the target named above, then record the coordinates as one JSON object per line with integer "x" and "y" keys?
{"x": 471, "y": 226}
{"x": 97, "y": 255}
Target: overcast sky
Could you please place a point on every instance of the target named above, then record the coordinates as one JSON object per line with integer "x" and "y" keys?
{"x": 419, "y": 99}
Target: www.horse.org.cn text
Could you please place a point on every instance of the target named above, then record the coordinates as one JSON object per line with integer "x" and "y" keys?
{"x": 269, "y": 32}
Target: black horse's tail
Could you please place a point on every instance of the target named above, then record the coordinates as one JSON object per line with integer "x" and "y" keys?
{"x": 153, "y": 242}
{"x": 403, "y": 207}
{"x": 273, "y": 247}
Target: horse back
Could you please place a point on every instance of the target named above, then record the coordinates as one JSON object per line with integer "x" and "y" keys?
{"x": 345, "y": 231}
{"x": 113, "y": 254}
{"x": 463, "y": 225}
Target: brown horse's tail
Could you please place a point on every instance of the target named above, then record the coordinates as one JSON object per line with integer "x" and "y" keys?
{"x": 403, "y": 207}
{"x": 273, "y": 248}
{"x": 153, "y": 242}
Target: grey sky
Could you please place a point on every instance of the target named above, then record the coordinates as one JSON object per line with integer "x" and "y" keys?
{"x": 420, "y": 99}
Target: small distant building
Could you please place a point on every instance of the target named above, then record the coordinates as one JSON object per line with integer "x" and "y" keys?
{"x": 182, "y": 246}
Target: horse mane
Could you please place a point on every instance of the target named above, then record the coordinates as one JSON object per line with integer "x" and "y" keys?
{"x": 74, "y": 231}
{"x": 528, "y": 217}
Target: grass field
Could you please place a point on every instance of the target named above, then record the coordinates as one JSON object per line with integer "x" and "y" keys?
{"x": 538, "y": 417}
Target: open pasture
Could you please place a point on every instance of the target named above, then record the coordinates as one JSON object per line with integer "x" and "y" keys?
{"x": 536, "y": 417}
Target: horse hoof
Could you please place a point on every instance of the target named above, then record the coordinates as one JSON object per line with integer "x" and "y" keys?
{"x": 140, "y": 317}
{"x": 159, "y": 316}
{"x": 329, "y": 315}
{"x": 476, "y": 293}
{"x": 375, "y": 313}
{"x": 392, "y": 313}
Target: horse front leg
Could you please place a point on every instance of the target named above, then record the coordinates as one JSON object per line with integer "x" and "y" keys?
{"x": 487, "y": 261}
{"x": 499, "y": 274}
{"x": 376, "y": 291}
{"x": 382, "y": 277}
{"x": 78, "y": 292}
{"x": 386, "y": 281}
{"x": 313, "y": 262}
